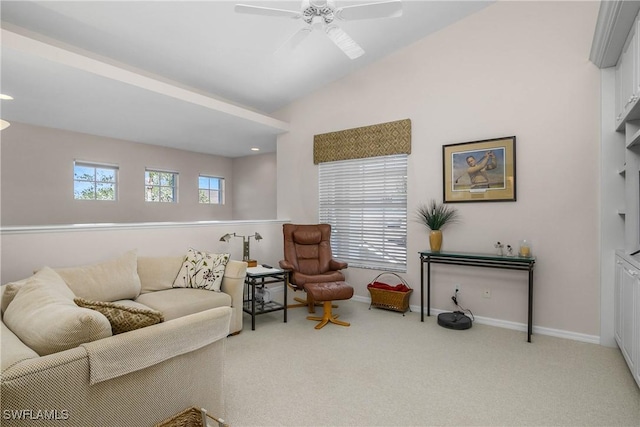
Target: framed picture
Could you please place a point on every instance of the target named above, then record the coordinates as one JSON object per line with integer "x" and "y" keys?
{"x": 480, "y": 171}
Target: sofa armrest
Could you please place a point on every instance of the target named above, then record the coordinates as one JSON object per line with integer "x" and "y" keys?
{"x": 233, "y": 284}
{"x": 13, "y": 350}
{"x": 139, "y": 349}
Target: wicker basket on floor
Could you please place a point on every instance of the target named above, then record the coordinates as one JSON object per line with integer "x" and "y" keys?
{"x": 388, "y": 299}
{"x": 192, "y": 417}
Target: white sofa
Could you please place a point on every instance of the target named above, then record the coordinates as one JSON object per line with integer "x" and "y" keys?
{"x": 62, "y": 364}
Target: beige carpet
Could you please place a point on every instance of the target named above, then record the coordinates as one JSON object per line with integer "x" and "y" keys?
{"x": 390, "y": 370}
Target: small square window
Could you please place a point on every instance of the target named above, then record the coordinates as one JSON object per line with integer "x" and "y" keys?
{"x": 161, "y": 186}
{"x": 94, "y": 181}
{"x": 211, "y": 190}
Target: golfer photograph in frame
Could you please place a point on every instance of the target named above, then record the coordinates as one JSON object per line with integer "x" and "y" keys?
{"x": 480, "y": 171}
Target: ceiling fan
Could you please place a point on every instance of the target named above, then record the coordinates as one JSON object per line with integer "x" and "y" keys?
{"x": 321, "y": 14}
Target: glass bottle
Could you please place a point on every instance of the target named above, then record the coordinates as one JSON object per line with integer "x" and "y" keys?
{"x": 525, "y": 249}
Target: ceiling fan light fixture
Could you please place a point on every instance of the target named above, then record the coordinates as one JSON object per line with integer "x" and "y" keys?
{"x": 319, "y": 14}
{"x": 317, "y": 22}
{"x": 318, "y": 3}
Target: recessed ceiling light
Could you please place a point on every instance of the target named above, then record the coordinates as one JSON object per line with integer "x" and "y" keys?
{"x": 255, "y": 149}
{"x": 7, "y": 97}
{"x": 4, "y": 124}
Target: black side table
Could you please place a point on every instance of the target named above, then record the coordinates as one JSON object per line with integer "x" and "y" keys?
{"x": 258, "y": 277}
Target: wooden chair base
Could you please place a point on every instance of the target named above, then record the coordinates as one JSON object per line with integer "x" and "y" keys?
{"x": 327, "y": 317}
{"x": 305, "y": 303}
{"x": 301, "y": 303}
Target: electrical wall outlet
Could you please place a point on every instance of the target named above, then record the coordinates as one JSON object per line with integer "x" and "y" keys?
{"x": 486, "y": 293}
{"x": 458, "y": 288}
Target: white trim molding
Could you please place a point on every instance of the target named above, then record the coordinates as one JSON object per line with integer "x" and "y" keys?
{"x": 575, "y": 336}
{"x": 65, "y": 228}
{"x": 614, "y": 23}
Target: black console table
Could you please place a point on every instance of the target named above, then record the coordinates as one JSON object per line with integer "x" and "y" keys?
{"x": 475, "y": 260}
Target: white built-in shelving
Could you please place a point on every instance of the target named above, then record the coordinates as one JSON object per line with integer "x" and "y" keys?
{"x": 632, "y": 133}
{"x": 616, "y": 49}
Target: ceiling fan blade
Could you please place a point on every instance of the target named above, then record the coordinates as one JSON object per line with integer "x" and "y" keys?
{"x": 295, "y": 40}
{"x": 267, "y": 11}
{"x": 385, "y": 9}
{"x": 344, "y": 42}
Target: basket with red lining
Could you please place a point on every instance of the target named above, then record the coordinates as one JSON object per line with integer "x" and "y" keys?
{"x": 390, "y": 297}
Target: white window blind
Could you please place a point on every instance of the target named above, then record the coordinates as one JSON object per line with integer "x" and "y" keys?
{"x": 365, "y": 201}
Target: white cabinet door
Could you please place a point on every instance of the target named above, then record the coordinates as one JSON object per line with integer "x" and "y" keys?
{"x": 628, "y": 302}
{"x": 617, "y": 295}
{"x": 636, "y": 328}
{"x": 627, "y": 313}
{"x": 628, "y": 318}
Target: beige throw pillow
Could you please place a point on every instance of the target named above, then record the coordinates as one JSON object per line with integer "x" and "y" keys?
{"x": 202, "y": 270}
{"x": 10, "y": 290}
{"x": 45, "y": 318}
{"x": 123, "y": 318}
{"x": 106, "y": 281}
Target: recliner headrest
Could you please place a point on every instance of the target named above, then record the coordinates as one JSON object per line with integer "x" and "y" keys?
{"x": 307, "y": 237}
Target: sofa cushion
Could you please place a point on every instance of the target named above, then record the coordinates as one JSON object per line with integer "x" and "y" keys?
{"x": 201, "y": 270}
{"x": 106, "y": 281}
{"x": 131, "y": 304}
{"x": 9, "y": 292}
{"x": 178, "y": 302}
{"x": 158, "y": 273}
{"x": 123, "y": 318}
{"x": 45, "y": 318}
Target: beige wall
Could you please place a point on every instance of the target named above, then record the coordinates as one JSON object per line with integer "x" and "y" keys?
{"x": 37, "y": 179}
{"x": 254, "y": 187}
{"x": 514, "y": 68}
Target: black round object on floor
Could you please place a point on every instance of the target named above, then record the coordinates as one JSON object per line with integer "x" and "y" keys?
{"x": 455, "y": 320}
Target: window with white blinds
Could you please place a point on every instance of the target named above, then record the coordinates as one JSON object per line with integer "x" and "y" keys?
{"x": 365, "y": 201}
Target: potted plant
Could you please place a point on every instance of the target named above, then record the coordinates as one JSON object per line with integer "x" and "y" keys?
{"x": 435, "y": 216}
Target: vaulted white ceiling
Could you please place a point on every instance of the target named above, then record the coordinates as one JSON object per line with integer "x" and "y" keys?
{"x": 192, "y": 75}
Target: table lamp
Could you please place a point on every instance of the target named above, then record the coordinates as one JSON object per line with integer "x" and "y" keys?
{"x": 245, "y": 246}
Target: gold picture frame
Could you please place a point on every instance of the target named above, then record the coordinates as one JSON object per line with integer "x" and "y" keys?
{"x": 480, "y": 171}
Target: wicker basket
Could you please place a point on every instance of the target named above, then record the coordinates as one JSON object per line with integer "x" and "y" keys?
{"x": 192, "y": 417}
{"x": 387, "y": 299}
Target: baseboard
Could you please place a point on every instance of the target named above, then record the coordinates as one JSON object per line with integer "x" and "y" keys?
{"x": 575, "y": 336}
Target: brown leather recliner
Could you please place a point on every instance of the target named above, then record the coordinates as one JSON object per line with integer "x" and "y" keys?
{"x": 307, "y": 254}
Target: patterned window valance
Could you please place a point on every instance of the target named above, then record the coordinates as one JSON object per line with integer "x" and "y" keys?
{"x": 368, "y": 141}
